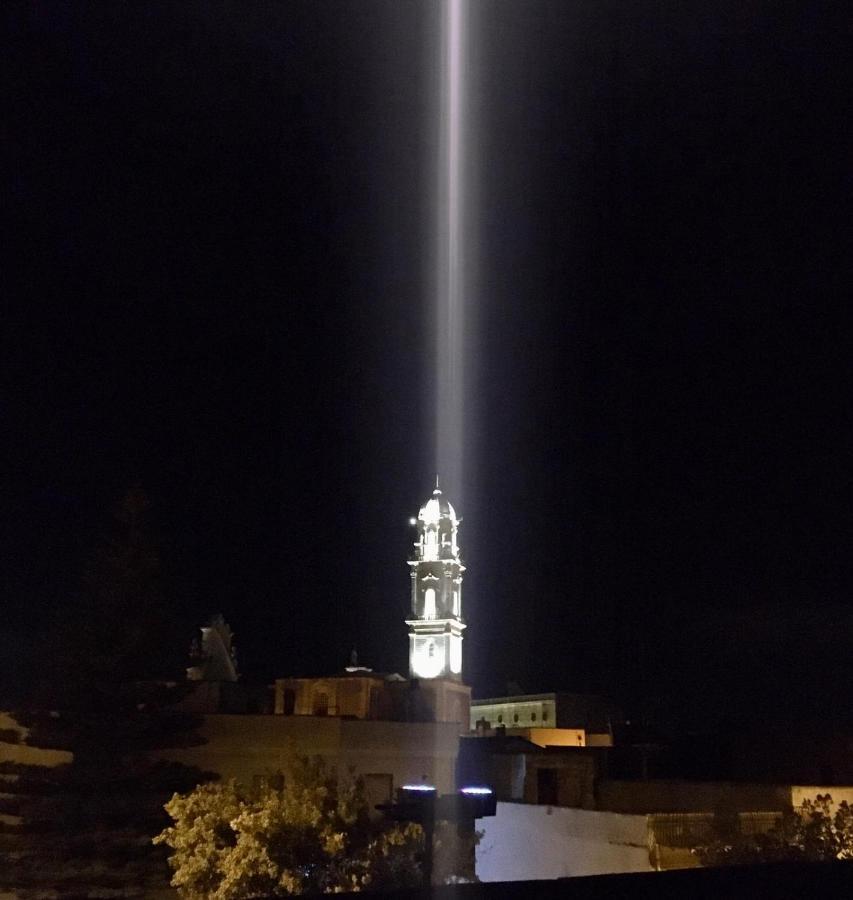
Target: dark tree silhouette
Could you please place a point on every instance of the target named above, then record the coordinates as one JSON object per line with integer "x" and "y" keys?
{"x": 110, "y": 674}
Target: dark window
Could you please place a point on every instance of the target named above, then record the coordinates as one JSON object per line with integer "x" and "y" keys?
{"x": 515, "y": 718}
{"x": 271, "y": 781}
{"x": 500, "y": 718}
{"x": 375, "y": 704}
{"x": 321, "y": 704}
{"x": 378, "y": 788}
{"x": 533, "y": 717}
{"x": 545, "y": 716}
{"x": 289, "y": 701}
{"x": 546, "y": 787}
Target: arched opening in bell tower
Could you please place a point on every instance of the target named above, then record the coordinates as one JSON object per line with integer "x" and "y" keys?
{"x": 429, "y": 603}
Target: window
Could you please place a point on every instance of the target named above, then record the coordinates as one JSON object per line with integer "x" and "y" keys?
{"x": 321, "y": 704}
{"x": 375, "y": 707}
{"x": 431, "y": 649}
{"x": 547, "y": 787}
{"x": 430, "y": 544}
{"x": 429, "y": 603}
{"x": 500, "y": 718}
{"x": 545, "y": 715}
{"x": 378, "y": 788}
{"x": 289, "y": 701}
{"x": 268, "y": 782}
{"x": 532, "y": 717}
{"x": 515, "y": 718}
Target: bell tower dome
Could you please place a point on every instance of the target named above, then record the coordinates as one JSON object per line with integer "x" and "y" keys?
{"x": 436, "y": 625}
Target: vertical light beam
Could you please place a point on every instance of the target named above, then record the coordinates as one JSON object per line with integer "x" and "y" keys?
{"x": 451, "y": 276}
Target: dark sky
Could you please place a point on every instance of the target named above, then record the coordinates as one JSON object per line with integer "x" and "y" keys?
{"x": 219, "y": 221}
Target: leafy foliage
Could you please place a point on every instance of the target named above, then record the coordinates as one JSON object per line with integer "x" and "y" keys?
{"x": 818, "y": 831}
{"x": 313, "y": 835}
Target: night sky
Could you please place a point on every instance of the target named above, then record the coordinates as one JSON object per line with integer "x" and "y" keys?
{"x": 218, "y": 228}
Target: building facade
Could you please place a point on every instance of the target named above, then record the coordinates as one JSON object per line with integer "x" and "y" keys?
{"x": 576, "y": 715}
{"x": 360, "y": 694}
{"x": 386, "y": 754}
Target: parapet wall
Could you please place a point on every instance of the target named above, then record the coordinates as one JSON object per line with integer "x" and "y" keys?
{"x": 691, "y": 796}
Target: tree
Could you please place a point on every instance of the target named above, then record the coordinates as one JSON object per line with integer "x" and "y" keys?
{"x": 816, "y": 832}
{"x": 107, "y": 692}
{"x": 312, "y": 834}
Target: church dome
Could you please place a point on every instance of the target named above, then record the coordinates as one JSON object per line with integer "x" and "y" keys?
{"x": 435, "y": 509}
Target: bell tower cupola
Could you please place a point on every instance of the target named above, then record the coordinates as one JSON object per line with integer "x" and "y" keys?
{"x": 436, "y": 625}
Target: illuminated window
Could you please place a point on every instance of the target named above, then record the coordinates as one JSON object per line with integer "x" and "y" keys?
{"x": 430, "y": 545}
{"x": 429, "y": 603}
{"x": 427, "y": 658}
{"x": 455, "y": 654}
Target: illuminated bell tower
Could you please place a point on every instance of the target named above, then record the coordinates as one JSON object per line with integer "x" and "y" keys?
{"x": 435, "y": 628}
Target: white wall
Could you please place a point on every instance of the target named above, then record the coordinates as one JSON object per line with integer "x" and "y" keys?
{"x": 800, "y": 792}
{"x": 23, "y": 753}
{"x": 242, "y": 746}
{"x": 524, "y": 842}
{"x": 531, "y": 713}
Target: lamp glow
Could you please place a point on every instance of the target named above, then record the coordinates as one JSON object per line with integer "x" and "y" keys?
{"x": 477, "y": 791}
{"x": 422, "y": 788}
